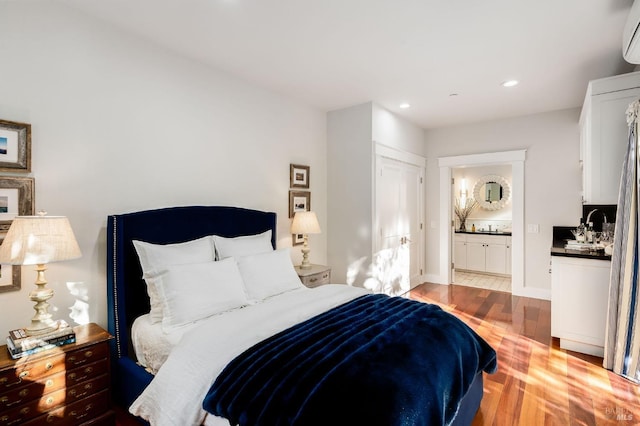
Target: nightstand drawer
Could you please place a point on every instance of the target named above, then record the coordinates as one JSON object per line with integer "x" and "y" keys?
{"x": 77, "y": 412}
{"x": 315, "y": 276}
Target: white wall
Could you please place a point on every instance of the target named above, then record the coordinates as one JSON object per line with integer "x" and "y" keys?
{"x": 351, "y": 136}
{"x": 472, "y": 176}
{"x": 552, "y": 179}
{"x": 120, "y": 125}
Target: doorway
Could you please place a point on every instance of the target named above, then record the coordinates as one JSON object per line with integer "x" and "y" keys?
{"x": 516, "y": 160}
{"x": 482, "y": 249}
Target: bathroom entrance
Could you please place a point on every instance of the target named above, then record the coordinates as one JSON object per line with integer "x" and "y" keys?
{"x": 516, "y": 160}
{"x": 482, "y": 226}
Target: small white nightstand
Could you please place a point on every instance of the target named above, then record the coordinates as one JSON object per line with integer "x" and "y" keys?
{"x": 315, "y": 276}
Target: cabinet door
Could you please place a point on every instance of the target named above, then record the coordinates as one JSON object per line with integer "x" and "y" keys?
{"x": 605, "y": 145}
{"x": 475, "y": 256}
{"x": 579, "y": 299}
{"x": 460, "y": 259}
{"x": 496, "y": 258}
{"x": 507, "y": 267}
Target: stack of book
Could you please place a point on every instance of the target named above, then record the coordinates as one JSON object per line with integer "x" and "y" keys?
{"x": 20, "y": 344}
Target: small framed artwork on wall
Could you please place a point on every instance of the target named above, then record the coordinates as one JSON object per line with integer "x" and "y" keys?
{"x": 299, "y": 176}
{"x": 297, "y": 239}
{"x": 16, "y": 199}
{"x": 299, "y": 201}
{"x": 15, "y": 146}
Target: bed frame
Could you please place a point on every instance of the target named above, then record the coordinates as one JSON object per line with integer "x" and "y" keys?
{"x": 126, "y": 290}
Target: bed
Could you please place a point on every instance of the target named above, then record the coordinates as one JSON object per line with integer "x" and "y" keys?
{"x": 248, "y": 338}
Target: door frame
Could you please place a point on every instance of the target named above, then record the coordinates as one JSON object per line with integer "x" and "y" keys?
{"x": 414, "y": 160}
{"x": 516, "y": 160}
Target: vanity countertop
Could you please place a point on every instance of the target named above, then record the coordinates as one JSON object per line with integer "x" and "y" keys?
{"x": 485, "y": 232}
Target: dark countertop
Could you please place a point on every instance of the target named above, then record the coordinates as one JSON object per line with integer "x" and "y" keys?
{"x": 484, "y": 232}
{"x": 583, "y": 254}
{"x": 561, "y": 234}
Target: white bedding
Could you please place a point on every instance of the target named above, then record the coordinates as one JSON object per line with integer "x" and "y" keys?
{"x": 151, "y": 344}
{"x": 175, "y": 395}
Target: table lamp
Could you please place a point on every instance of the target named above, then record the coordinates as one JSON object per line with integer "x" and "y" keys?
{"x": 305, "y": 223}
{"x": 38, "y": 240}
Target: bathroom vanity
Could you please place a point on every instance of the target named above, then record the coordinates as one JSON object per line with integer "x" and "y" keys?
{"x": 483, "y": 252}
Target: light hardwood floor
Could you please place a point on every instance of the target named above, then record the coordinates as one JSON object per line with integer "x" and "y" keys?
{"x": 537, "y": 383}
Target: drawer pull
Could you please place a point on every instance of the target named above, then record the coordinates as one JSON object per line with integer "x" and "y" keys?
{"x": 25, "y": 410}
{"x": 75, "y": 360}
{"x": 74, "y": 377}
{"x": 49, "y": 400}
{"x": 17, "y": 382}
{"x": 77, "y": 395}
{"x": 78, "y": 416}
{"x": 14, "y": 422}
{"x": 313, "y": 280}
{"x": 5, "y": 401}
{"x": 48, "y": 366}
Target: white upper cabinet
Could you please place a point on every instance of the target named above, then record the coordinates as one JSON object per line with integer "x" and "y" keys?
{"x": 604, "y": 135}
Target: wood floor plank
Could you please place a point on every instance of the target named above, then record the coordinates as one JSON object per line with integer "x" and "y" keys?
{"x": 537, "y": 382}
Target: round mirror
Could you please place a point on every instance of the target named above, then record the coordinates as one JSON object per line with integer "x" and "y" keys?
{"x": 492, "y": 192}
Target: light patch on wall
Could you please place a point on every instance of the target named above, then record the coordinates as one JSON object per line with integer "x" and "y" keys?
{"x": 80, "y": 309}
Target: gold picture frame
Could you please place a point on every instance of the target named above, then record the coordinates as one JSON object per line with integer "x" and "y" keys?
{"x": 16, "y": 199}
{"x": 299, "y": 201}
{"x": 15, "y": 146}
{"x": 299, "y": 176}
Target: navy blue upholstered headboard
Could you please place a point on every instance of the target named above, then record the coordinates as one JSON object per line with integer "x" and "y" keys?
{"x": 127, "y": 295}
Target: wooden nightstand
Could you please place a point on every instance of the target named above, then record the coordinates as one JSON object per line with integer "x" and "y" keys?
{"x": 315, "y": 276}
{"x": 67, "y": 385}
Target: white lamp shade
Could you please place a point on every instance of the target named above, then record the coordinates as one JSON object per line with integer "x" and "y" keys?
{"x": 35, "y": 240}
{"x": 305, "y": 223}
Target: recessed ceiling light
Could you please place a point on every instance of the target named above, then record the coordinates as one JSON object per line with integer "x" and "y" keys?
{"x": 510, "y": 83}
{"x": 405, "y": 105}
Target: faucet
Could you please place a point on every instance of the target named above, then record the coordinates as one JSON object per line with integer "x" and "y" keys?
{"x": 593, "y": 211}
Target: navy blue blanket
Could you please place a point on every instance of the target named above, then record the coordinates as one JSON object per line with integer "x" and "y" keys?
{"x": 376, "y": 360}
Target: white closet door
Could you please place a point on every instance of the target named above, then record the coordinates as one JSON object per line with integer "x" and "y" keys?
{"x": 398, "y": 254}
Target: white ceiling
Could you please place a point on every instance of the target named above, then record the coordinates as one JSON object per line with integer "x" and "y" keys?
{"x": 333, "y": 54}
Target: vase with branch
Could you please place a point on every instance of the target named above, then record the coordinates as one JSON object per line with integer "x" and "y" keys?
{"x": 463, "y": 209}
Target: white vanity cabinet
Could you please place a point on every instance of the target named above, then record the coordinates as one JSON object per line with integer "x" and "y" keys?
{"x": 460, "y": 251}
{"x": 604, "y": 135}
{"x": 508, "y": 265}
{"x": 483, "y": 253}
{"x": 579, "y": 301}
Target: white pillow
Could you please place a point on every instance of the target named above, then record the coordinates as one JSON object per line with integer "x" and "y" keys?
{"x": 156, "y": 258}
{"x": 199, "y": 290}
{"x": 268, "y": 274}
{"x": 242, "y": 246}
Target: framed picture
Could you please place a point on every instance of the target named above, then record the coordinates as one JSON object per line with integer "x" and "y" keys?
{"x": 299, "y": 176}
{"x": 297, "y": 239}
{"x": 15, "y": 146}
{"x": 16, "y": 199}
{"x": 299, "y": 201}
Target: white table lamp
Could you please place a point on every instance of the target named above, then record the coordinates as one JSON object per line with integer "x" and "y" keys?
{"x": 38, "y": 240}
{"x": 305, "y": 223}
